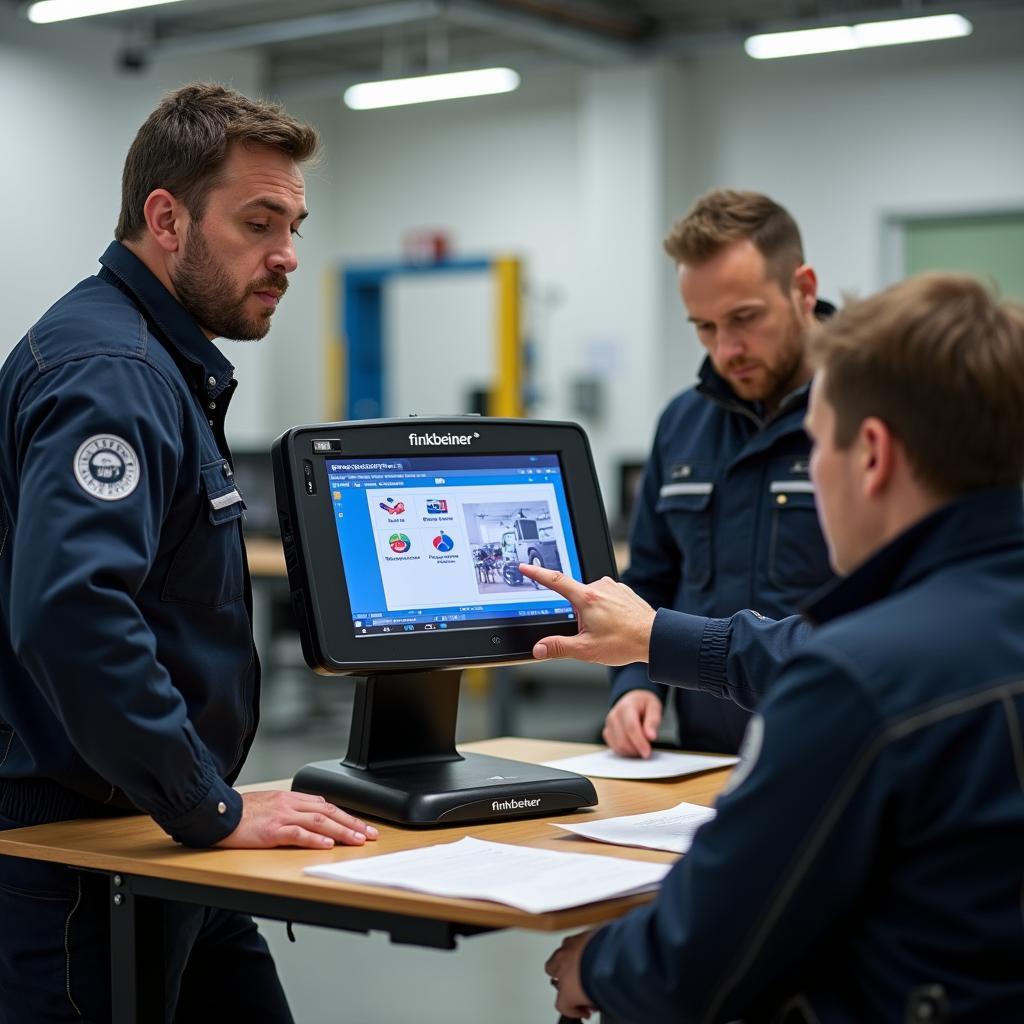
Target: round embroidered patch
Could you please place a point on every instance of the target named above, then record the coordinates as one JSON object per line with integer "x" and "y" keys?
{"x": 107, "y": 467}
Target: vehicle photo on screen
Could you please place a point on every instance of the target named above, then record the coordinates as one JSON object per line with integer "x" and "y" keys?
{"x": 503, "y": 534}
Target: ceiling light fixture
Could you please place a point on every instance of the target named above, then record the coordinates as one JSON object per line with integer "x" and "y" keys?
{"x": 45, "y": 11}
{"x": 856, "y": 37}
{"x": 397, "y": 92}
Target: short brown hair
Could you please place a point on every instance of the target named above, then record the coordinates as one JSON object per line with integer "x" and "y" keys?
{"x": 724, "y": 216}
{"x": 940, "y": 360}
{"x": 185, "y": 141}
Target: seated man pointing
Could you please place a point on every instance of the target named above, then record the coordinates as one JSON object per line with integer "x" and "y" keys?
{"x": 866, "y": 860}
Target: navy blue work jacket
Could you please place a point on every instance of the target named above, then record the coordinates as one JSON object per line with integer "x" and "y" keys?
{"x": 128, "y": 674}
{"x": 871, "y": 840}
{"x": 725, "y": 520}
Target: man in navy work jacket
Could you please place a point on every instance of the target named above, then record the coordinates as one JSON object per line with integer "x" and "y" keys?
{"x": 128, "y": 676}
{"x": 867, "y": 859}
{"x": 725, "y": 518}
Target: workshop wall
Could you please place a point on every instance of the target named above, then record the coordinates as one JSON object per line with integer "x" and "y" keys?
{"x": 579, "y": 172}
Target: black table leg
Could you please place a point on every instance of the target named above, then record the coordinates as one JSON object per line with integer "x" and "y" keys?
{"x": 136, "y": 956}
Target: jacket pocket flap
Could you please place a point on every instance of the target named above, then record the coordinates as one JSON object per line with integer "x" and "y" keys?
{"x": 792, "y": 493}
{"x": 221, "y": 491}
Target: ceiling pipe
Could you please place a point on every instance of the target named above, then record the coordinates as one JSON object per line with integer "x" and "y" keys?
{"x": 606, "y": 19}
{"x": 579, "y": 44}
{"x": 375, "y": 16}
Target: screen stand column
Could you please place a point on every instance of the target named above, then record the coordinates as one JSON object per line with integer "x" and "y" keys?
{"x": 402, "y": 764}
{"x": 405, "y": 718}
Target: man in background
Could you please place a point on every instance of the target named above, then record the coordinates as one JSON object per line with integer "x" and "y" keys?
{"x": 865, "y": 860}
{"x": 129, "y": 680}
{"x": 725, "y": 517}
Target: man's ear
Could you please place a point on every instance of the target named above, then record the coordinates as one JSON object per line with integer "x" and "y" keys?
{"x": 166, "y": 219}
{"x": 805, "y": 285}
{"x": 877, "y": 448}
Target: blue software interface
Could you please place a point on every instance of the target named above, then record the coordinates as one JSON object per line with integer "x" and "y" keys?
{"x": 434, "y": 542}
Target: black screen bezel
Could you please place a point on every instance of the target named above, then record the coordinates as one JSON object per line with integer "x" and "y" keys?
{"x": 313, "y": 555}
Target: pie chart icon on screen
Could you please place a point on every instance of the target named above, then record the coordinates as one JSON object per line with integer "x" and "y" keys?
{"x": 443, "y": 542}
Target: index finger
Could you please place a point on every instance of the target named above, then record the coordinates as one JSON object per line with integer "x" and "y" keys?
{"x": 559, "y": 582}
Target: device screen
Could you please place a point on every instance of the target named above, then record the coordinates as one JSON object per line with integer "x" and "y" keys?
{"x": 434, "y": 542}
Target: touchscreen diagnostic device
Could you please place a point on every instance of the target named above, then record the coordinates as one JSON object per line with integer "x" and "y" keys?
{"x": 403, "y": 540}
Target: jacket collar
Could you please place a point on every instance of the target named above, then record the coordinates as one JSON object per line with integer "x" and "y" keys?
{"x": 201, "y": 359}
{"x": 970, "y": 525}
{"x": 714, "y": 386}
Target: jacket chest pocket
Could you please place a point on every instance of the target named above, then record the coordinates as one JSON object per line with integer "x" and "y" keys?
{"x": 797, "y": 555}
{"x": 207, "y": 568}
{"x": 686, "y": 509}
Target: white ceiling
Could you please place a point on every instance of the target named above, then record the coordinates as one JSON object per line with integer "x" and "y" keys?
{"x": 318, "y": 40}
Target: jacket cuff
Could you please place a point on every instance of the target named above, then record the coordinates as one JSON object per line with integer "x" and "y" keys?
{"x": 675, "y": 652}
{"x": 212, "y": 819}
{"x": 587, "y": 979}
{"x": 597, "y": 974}
{"x": 714, "y": 650}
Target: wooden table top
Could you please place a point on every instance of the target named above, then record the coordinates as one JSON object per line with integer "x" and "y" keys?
{"x": 136, "y": 845}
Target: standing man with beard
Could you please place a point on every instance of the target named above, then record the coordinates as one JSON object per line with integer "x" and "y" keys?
{"x": 726, "y": 517}
{"x": 129, "y": 680}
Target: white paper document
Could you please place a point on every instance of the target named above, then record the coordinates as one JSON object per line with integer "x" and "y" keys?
{"x": 662, "y": 764}
{"x": 524, "y": 877}
{"x": 671, "y": 830}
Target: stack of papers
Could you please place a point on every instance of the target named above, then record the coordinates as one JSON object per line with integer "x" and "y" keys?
{"x": 662, "y": 764}
{"x": 524, "y": 877}
{"x": 671, "y": 830}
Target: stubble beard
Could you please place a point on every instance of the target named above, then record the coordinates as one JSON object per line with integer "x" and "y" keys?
{"x": 778, "y": 377}
{"x": 206, "y": 290}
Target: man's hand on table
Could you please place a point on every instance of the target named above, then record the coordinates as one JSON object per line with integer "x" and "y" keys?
{"x": 563, "y": 967}
{"x": 614, "y": 624}
{"x": 632, "y": 724}
{"x": 284, "y": 818}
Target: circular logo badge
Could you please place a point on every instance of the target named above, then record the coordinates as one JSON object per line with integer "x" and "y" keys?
{"x": 400, "y": 543}
{"x": 443, "y": 542}
{"x": 107, "y": 467}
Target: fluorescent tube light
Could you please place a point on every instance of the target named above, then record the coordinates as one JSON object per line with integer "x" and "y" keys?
{"x": 855, "y": 37}
{"x": 795, "y": 44}
{"x": 45, "y": 11}
{"x": 912, "y": 30}
{"x": 428, "y": 88}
